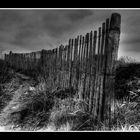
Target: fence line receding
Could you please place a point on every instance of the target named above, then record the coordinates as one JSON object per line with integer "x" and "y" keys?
{"x": 86, "y": 64}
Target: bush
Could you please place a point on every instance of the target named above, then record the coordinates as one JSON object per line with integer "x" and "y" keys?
{"x": 125, "y": 74}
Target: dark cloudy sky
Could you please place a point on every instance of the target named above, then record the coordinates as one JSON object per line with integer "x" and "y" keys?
{"x": 33, "y": 30}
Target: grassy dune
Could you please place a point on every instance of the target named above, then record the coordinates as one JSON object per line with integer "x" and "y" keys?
{"x": 27, "y": 105}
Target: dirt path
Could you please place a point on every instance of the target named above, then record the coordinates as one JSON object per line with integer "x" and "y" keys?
{"x": 18, "y": 86}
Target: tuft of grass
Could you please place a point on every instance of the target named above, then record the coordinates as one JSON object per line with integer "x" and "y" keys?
{"x": 27, "y": 109}
{"x": 127, "y": 116}
{"x": 127, "y": 128}
{"x": 70, "y": 113}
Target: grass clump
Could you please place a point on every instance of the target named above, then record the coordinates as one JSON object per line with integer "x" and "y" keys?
{"x": 127, "y": 116}
{"x": 27, "y": 109}
{"x": 71, "y": 113}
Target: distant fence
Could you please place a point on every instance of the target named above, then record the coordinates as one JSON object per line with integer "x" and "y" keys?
{"x": 23, "y": 61}
{"x": 86, "y": 64}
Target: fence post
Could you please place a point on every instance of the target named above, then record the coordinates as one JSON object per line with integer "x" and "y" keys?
{"x": 80, "y": 68}
{"x": 101, "y": 72}
{"x": 111, "y": 51}
{"x": 90, "y": 61}
{"x": 93, "y": 71}
{"x": 97, "y": 79}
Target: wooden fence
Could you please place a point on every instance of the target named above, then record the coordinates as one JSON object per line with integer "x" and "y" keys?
{"x": 86, "y": 64}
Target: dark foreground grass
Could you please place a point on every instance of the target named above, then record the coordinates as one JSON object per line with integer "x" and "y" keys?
{"x": 27, "y": 105}
{"x": 36, "y": 110}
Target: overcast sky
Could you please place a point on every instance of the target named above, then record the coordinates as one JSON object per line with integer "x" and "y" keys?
{"x": 33, "y": 30}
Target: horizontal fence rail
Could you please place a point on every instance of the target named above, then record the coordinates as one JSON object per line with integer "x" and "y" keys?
{"x": 86, "y": 64}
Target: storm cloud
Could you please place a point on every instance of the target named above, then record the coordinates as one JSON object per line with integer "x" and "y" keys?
{"x": 36, "y": 29}
{"x": 33, "y": 30}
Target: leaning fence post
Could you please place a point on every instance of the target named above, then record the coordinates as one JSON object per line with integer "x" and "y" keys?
{"x": 93, "y": 72}
{"x": 111, "y": 48}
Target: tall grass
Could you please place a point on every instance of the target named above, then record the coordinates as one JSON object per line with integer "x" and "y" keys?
{"x": 28, "y": 105}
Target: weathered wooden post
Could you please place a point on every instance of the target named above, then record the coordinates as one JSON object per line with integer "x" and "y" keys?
{"x": 97, "y": 76}
{"x": 101, "y": 72}
{"x": 86, "y": 66}
{"x": 80, "y": 68}
{"x": 111, "y": 52}
{"x": 93, "y": 72}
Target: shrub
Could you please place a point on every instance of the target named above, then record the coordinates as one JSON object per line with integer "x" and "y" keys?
{"x": 125, "y": 74}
